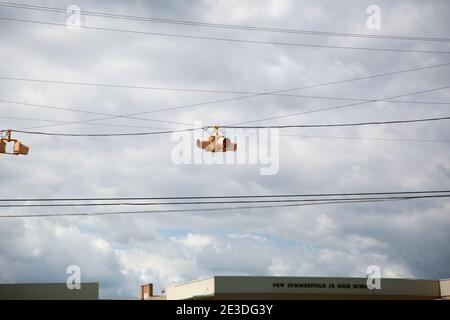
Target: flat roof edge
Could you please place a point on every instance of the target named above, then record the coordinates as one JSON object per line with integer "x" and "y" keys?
{"x": 328, "y": 277}
{"x": 192, "y": 281}
{"x": 41, "y": 283}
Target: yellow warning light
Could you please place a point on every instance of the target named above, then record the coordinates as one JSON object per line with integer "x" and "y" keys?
{"x": 216, "y": 143}
{"x": 2, "y": 146}
{"x": 19, "y": 147}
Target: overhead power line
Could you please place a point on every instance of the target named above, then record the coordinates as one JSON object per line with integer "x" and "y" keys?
{"x": 211, "y": 102}
{"x": 171, "y": 89}
{"x": 233, "y": 127}
{"x": 110, "y": 116}
{"x": 365, "y": 138}
{"x": 336, "y": 124}
{"x": 284, "y": 135}
{"x": 225, "y": 26}
{"x": 337, "y": 106}
{"x": 218, "y": 202}
{"x": 43, "y": 215}
{"x": 91, "y": 124}
{"x": 196, "y": 210}
{"x": 104, "y": 134}
{"x": 238, "y": 196}
{"x": 231, "y": 40}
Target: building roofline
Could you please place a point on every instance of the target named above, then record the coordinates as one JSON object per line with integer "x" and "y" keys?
{"x": 191, "y": 281}
{"x": 321, "y": 277}
{"x": 41, "y": 283}
{"x": 302, "y": 277}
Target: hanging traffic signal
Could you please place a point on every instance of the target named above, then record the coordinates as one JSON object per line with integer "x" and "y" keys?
{"x": 18, "y": 148}
{"x": 2, "y": 146}
{"x": 216, "y": 143}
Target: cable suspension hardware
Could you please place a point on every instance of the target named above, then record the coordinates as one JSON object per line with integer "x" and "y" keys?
{"x": 19, "y": 147}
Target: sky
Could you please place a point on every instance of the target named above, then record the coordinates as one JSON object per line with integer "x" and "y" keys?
{"x": 404, "y": 238}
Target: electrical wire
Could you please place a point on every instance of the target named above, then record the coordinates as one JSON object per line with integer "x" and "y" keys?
{"x": 140, "y": 87}
{"x": 210, "y": 102}
{"x": 283, "y": 135}
{"x": 215, "y": 202}
{"x": 231, "y": 40}
{"x": 110, "y": 116}
{"x": 104, "y": 134}
{"x": 288, "y": 195}
{"x": 337, "y": 124}
{"x": 233, "y": 127}
{"x": 91, "y": 124}
{"x": 337, "y": 106}
{"x": 196, "y": 210}
{"x": 225, "y": 26}
{"x": 364, "y": 138}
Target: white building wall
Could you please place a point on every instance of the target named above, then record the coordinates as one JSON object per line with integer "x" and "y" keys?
{"x": 203, "y": 287}
{"x": 445, "y": 288}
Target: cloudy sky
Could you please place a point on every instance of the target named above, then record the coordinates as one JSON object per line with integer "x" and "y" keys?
{"x": 406, "y": 239}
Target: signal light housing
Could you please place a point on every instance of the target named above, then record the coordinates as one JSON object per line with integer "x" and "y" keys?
{"x": 216, "y": 143}
{"x": 2, "y": 146}
{"x": 20, "y": 148}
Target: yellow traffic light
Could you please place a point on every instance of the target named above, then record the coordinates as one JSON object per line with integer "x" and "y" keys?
{"x": 19, "y": 147}
{"x": 216, "y": 143}
{"x": 2, "y": 146}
